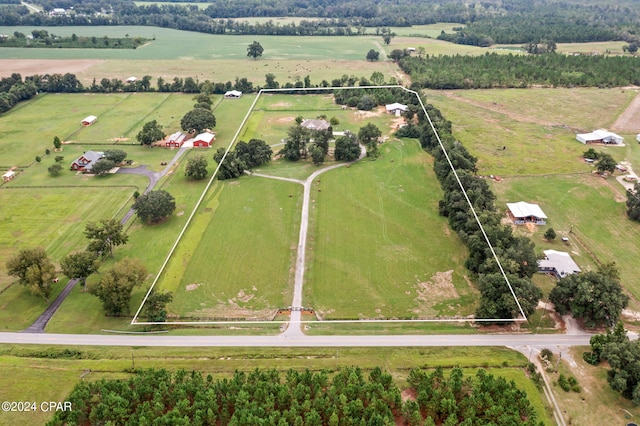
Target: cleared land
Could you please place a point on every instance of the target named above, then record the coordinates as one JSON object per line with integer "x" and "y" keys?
{"x": 537, "y": 127}
{"x": 378, "y": 247}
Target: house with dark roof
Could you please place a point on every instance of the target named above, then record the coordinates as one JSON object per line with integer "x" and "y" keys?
{"x": 85, "y": 162}
{"x": 558, "y": 263}
{"x": 315, "y": 124}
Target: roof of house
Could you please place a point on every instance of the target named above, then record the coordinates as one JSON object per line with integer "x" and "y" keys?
{"x": 131, "y": 79}
{"x": 395, "y": 106}
{"x": 205, "y": 137}
{"x": 233, "y": 94}
{"x": 597, "y": 135}
{"x": 87, "y": 159}
{"x": 315, "y": 124}
{"x": 560, "y": 261}
{"x": 522, "y": 209}
{"x": 90, "y": 119}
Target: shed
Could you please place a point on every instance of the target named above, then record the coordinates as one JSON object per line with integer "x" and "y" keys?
{"x": 600, "y": 136}
{"x": 233, "y": 94}
{"x": 89, "y": 120}
{"x": 522, "y": 212}
{"x": 204, "y": 140}
{"x": 8, "y": 176}
{"x": 396, "y": 109}
{"x": 558, "y": 263}
{"x": 132, "y": 80}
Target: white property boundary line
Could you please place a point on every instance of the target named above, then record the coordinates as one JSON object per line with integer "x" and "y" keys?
{"x": 248, "y": 322}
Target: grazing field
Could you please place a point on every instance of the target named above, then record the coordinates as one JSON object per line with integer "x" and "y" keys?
{"x": 524, "y": 132}
{"x": 592, "y": 209}
{"x": 378, "y": 246}
{"x": 29, "y": 375}
{"x": 236, "y": 259}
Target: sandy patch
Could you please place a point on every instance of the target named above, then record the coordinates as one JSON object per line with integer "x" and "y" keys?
{"x": 363, "y": 115}
{"x": 281, "y": 105}
{"x": 45, "y": 66}
{"x": 284, "y": 120}
{"x": 627, "y": 122}
{"x": 191, "y": 287}
{"x": 180, "y": 213}
{"x": 438, "y": 288}
{"x": 118, "y": 139}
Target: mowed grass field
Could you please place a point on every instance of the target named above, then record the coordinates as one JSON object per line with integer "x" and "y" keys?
{"x": 378, "y": 247}
{"x": 536, "y": 127}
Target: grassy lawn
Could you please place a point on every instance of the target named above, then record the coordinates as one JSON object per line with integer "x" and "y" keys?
{"x": 31, "y": 377}
{"x": 537, "y": 127}
{"x": 249, "y": 221}
{"x": 378, "y": 247}
{"x": 576, "y": 203}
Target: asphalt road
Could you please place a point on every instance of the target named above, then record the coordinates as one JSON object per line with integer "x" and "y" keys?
{"x": 532, "y": 340}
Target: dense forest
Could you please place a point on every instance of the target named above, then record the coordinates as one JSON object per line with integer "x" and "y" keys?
{"x": 495, "y": 70}
{"x": 482, "y": 23}
{"x": 263, "y": 397}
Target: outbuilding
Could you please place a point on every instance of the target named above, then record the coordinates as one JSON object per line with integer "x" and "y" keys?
{"x": 558, "y": 263}
{"x": 233, "y": 94}
{"x": 601, "y": 136}
{"x": 396, "y": 109}
{"x": 522, "y": 213}
{"x": 315, "y": 124}
{"x": 176, "y": 140}
{"x": 8, "y": 176}
{"x": 89, "y": 120}
{"x": 204, "y": 140}
{"x": 132, "y": 80}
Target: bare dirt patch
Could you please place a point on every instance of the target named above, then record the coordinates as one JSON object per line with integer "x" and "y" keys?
{"x": 45, "y": 66}
{"x": 363, "y": 115}
{"x": 118, "y": 139}
{"x": 281, "y": 105}
{"x": 284, "y": 120}
{"x": 191, "y": 287}
{"x": 438, "y": 288}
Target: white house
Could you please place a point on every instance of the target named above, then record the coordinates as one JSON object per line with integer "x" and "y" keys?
{"x": 396, "y": 109}
{"x": 315, "y": 124}
{"x": 522, "y": 213}
{"x": 558, "y": 263}
{"x": 233, "y": 94}
{"x": 600, "y": 136}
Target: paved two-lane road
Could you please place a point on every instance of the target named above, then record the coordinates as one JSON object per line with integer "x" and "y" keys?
{"x": 532, "y": 340}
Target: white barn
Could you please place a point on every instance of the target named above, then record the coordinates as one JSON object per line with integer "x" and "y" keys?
{"x": 600, "y": 136}
{"x": 396, "y": 109}
{"x": 522, "y": 213}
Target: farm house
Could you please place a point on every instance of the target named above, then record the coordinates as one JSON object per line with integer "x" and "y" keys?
{"x": 204, "y": 140}
{"x": 600, "y": 136}
{"x": 521, "y": 213}
{"x": 85, "y": 162}
{"x": 558, "y": 263}
{"x": 315, "y": 124}
{"x": 89, "y": 120}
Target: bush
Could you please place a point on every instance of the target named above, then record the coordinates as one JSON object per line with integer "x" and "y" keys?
{"x": 575, "y": 386}
{"x": 564, "y": 383}
{"x": 591, "y": 358}
{"x": 59, "y": 158}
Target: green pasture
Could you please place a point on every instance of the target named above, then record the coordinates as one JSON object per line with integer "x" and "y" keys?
{"x": 32, "y": 377}
{"x": 589, "y": 211}
{"x": 378, "y": 248}
{"x": 237, "y": 257}
{"x": 536, "y": 127}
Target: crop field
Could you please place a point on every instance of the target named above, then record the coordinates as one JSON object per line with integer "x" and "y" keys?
{"x": 379, "y": 248}
{"x": 523, "y": 132}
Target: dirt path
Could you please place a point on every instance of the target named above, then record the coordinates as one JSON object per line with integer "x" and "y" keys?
{"x": 628, "y": 121}
{"x": 293, "y": 328}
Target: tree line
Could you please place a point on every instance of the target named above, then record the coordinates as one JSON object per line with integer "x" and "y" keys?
{"x": 494, "y": 70}
{"x": 42, "y": 39}
{"x": 299, "y": 398}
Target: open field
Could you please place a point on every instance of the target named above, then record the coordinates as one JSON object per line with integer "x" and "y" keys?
{"x": 577, "y": 204}
{"x": 378, "y": 247}
{"x": 27, "y": 372}
{"x": 236, "y": 259}
{"x": 537, "y": 127}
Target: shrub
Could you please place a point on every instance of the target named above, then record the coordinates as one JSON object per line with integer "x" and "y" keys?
{"x": 564, "y": 383}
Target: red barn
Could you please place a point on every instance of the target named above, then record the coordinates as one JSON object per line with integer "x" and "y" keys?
{"x": 204, "y": 140}
{"x": 176, "y": 140}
